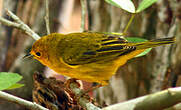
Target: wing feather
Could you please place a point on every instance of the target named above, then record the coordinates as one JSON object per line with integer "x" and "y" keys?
{"x": 103, "y": 49}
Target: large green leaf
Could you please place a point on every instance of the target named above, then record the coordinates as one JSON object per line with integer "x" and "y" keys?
{"x": 136, "y": 40}
{"x": 123, "y": 4}
{"x": 145, "y": 4}
{"x": 8, "y": 79}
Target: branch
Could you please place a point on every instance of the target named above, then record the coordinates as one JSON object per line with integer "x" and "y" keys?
{"x": 175, "y": 107}
{"x": 19, "y": 24}
{"x": 17, "y": 100}
{"x": 47, "y": 17}
{"x": 156, "y": 101}
{"x": 83, "y": 15}
{"x": 9, "y": 23}
{"x": 82, "y": 100}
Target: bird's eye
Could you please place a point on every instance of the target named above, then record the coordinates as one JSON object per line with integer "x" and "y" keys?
{"x": 38, "y": 54}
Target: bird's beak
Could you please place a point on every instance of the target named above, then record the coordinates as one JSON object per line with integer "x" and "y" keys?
{"x": 27, "y": 56}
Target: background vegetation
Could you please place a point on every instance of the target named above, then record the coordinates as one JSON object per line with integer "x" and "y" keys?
{"x": 158, "y": 70}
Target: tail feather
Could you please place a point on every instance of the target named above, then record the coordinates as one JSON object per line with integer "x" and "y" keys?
{"x": 155, "y": 43}
{"x": 171, "y": 40}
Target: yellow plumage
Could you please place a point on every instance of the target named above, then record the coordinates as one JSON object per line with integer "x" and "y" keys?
{"x": 92, "y": 57}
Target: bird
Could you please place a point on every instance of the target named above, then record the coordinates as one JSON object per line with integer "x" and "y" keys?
{"x": 89, "y": 56}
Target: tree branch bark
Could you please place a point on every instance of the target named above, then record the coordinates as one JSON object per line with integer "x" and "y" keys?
{"x": 83, "y": 101}
{"x": 20, "y": 101}
{"x": 157, "y": 101}
{"x": 19, "y": 24}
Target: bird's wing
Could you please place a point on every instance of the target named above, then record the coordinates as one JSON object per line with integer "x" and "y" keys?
{"x": 101, "y": 49}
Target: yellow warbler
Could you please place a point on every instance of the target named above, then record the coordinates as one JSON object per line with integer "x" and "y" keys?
{"x": 89, "y": 56}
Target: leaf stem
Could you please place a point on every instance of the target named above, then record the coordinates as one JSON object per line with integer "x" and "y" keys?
{"x": 129, "y": 22}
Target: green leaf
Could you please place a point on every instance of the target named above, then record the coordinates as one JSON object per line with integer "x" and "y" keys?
{"x": 145, "y": 4}
{"x": 136, "y": 40}
{"x": 8, "y": 79}
{"x": 123, "y": 4}
{"x": 144, "y": 53}
{"x": 17, "y": 85}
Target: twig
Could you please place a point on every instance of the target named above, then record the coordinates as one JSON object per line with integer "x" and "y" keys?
{"x": 156, "y": 101}
{"x": 83, "y": 101}
{"x": 20, "y": 101}
{"x": 83, "y": 15}
{"x": 19, "y": 24}
{"x": 47, "y": 17}
{"x": 23, "y": 26}
{"x": 9, "y": 23}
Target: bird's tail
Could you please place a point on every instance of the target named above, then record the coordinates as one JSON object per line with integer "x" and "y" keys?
{"x": 154, "y": 43}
